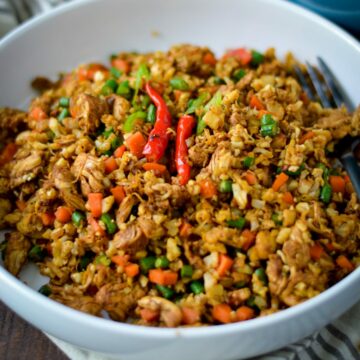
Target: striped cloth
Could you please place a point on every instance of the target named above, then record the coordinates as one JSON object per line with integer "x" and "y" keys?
{"x": 337, "y": 341}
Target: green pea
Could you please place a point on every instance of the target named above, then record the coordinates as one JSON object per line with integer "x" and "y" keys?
{"x": 109, "y": 222}
{"x": 197, "y": 287}
{"x": 77, "y": 218}
{"x": 257, "y": 58}
{"x": 186, "y": 271}
{"x": 162, "y": 262}
{"x": 165, "y": 291}
{"x": 248, "y": 162}
{"x": 239, "y": 74}
{"x": 64, "y": 102}
{"x": 147, "y": 263}
{"x": 260, "y": 273}
{"x": 225, "y": 186}
{"x": 45, "y": 290}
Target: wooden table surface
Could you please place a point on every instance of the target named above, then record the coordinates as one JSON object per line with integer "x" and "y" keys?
{"x": 21, "y": 341}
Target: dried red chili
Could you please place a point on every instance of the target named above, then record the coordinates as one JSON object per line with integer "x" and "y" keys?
{"x": 185, "y": 127}
{"x": 159, "y": 136}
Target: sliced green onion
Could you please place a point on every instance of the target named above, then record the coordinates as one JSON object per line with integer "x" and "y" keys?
{"x": 124, "y": 89}
{"x": 116, "y": 73}
{"x": 64, "y": 102}
{"x": 165, "y": 291}
{"x": 162, "y": 262}
{"x": 248, "y": 162}
{"x": 37, "y": 254}
{"x": 197, "y": 287}
{"x": 147, "y": 263}
{"x": 325, "y": 194}
{"x": 186, "y": 271}
{"x": 215, "y": 101}
{"x": 115, "y": 143}
{"x": 257, "y": 58}
{"x": 179, "y": 84}
{"x": 109, "y": 222}
{"x": 63, "y": 114}
{"x": 219, "y": 81}
{"x": 225, "y": 186}
{"x": 85, "y": 260}
{"x": 108, "y": 132}
{"x": 142, "y": 73}
{"x": 151, "y": 114}
{"x": 260, "y": 273}
{"x": 200, "y": 127}
{"x": 269, "y": 127}
{"x": 194, "y": 104}
{"x": 109, "y": 87}
{"x": 325, "y": 170}
{"x": 130, "y": 121}
{"x": 239, "y": 74}
{"x": 77, "y": 217}
{"x": 102, "y": 259}
{"x": 45, "y": 290}
{"x": 275, "y": 217}
{"x": 295, "y": 173}
{"x": 145, "y": 101}
{"x": 238, "y": 223}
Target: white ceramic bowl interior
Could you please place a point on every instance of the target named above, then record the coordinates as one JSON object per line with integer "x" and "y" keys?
{"x": 86, "y": 31}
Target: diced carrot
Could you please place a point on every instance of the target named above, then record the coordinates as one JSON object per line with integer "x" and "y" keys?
{"x": 87, "y": 72}
{"x": 347, "y": 179}
{"x": 185, "y": 229}
{"x": 8, "y": 153}
{"x": 255, "y": 103}
{"x": 244, "y": 313}
{"x": 316, "y": 251}
{"x": 110, "y": 165}
{"x": 288, "y": 198}
{"x": 250, "y": 237}
{"x": 225, "y": 263}
{"x": 95, "y": 204}
{"x": 280, "y": 180}
{"x": 96, "y": 226}
{"x": 177, "y": 94}
{"x": 21, "y": 205}
{"x": 63, "y": 214}
{"x": 250, "y": 177}
{"x": 120, "y": 260}
{"x": 207, "y": 189}
{"x": 136, "y": 144}
{"x": 345, "y": 263}
{"x": 121, "y": 64}
{"x": 149, "y": 315}
{"x": 163, "y": 277}
{"x": 47, "y": 218}
{"x": 209, "y": 59}
{"x": 158, "y": 169}
{"x": 118, "y": 193}
{"x": 309, "y": 135}
{"x": 330, "y": 246}
{"x": 304, "y": 98}
{"x": 132, "y": 270}
{"x": 222, "y": 313}
{"x": 190, "y": 315}
{"x": 119, "y": 152}
{"x": 241, "y": 54}
{"x": 38, "y": 113}
{"x": 337, "y": 183}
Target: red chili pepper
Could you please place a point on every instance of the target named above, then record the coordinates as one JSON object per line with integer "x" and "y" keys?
{"x": 185, "y": 127}
{"x": 159, "y": 137}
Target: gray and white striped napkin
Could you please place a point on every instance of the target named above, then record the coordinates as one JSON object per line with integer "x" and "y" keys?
{"x": 337, "y": 341}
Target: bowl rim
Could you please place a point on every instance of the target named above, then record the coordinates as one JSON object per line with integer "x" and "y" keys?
{"x": 328, "y": 10}
{"x": 84, "y": 319}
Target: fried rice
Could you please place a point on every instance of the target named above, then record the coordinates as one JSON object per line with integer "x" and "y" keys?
{"x": 177, "y": 189}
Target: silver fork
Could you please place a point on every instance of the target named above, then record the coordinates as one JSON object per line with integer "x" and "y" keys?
{"x": 345, "y": 148}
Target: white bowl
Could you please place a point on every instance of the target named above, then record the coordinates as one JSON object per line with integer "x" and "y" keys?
{"x": 91, "y": 30}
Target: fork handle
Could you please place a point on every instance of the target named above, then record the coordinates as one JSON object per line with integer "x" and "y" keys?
{"x": 352, "y": 167}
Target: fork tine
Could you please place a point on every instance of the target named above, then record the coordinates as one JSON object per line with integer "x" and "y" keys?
{"x": 318, "y": 86}
{"x": 310, "y": 94}
{"x": 339, "y": 96}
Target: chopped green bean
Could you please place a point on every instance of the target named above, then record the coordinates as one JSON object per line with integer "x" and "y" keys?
{"x": 64, "y": 113}
{"x": 77, "y": 218}
{"x": 64, "y": 102}
{"x": 179, "y": 84}
{"x": 109, "y": 223}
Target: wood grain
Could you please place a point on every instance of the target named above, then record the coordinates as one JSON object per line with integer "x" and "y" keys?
{"x": 21, "y": 341}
